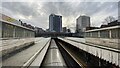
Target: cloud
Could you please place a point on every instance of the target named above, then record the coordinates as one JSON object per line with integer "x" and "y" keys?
{"x": 37, "y": 13}
{"x": 23, "y": 8}
{"x": 60, "y": 0}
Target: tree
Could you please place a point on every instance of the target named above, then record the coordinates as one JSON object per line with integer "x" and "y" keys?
{"x": 108, "y": 20}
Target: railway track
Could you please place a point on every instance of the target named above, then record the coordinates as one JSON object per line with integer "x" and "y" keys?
{"x": 53, "y": 52}
{"x": 75, "y": 58}
{"x": 57, "y": 55}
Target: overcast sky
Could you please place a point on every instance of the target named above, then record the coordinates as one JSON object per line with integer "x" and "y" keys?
{"x": 37, "y": 13}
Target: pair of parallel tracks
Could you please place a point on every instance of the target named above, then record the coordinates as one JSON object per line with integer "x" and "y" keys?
{"x": 71, "y": 60}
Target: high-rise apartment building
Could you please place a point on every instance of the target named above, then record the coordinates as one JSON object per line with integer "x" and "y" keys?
{"x": 55, "y": 23}
{"x": 82, "y": 22}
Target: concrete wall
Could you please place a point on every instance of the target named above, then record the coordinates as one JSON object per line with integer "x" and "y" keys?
{"x": 108, "y": 37}
{"x": 0, "y": 29}
{"x": 113, "y": 43}
{"x": 13, "y": 31}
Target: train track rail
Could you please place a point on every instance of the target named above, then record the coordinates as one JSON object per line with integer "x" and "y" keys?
{"x": 34, "y": 57}
{"x": 74, "y": 57}
{"x": 57, "y": 55}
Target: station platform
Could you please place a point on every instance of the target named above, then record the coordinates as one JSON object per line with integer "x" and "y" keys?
{"x": 26, "y": 56}
{"x": 76, "y": 39}
{"x": 10, "y": 45}
{"x": 108, "y": 54}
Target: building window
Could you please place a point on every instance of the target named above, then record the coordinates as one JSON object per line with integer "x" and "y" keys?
{"x": 87, "y": 34}
{"x": 115, "y": 33}
{"x": 119, "y": 33}
{"x": 104, "y": 34}
{"x": 95, "y": 34}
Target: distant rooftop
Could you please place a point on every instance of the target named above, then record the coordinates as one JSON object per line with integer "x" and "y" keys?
{"x": 113, "y": 23}
{"x": 55, "y": 14}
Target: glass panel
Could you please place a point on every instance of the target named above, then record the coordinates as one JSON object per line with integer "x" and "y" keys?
{"x": 114, "y": 33}
{"x": 104, "y": 34}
